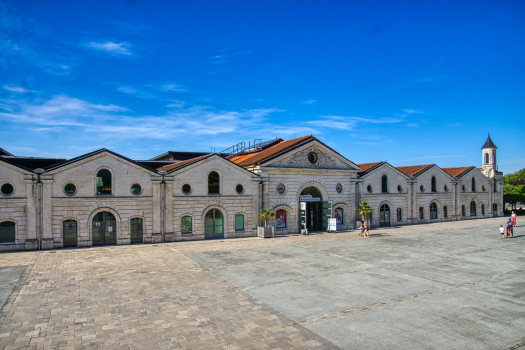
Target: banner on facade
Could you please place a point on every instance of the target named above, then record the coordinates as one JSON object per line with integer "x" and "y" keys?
{"x": 280, "y": 219}
{"x": 309, "y": 198}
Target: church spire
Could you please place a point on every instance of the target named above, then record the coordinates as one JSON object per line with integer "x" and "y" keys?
{"x": 489, "y": 143}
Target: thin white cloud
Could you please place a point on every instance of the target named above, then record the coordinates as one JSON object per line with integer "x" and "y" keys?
{"x": 18, "y": 89}
{"x": 309, "y": 102}
{"x": 111, "y": 47}
{"x": 172, "y": 87}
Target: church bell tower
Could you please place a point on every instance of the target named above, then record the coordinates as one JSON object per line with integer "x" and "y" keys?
{"x": 488, "y": 151}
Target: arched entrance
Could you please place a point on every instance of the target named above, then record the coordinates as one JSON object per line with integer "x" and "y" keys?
{"x": 104, "y": 228}
{"x": 213, "y": 225}
{"x": 384, "y": 215}
{"x": 69, "y": 229}
{"x": 314, "y": 208}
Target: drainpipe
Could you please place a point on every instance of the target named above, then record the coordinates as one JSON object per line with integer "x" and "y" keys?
{"x": 162, "y": 204}
{"x": 261, "y": 202}
{"x": 39, "y": 205}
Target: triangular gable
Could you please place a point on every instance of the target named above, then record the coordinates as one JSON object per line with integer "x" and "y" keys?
{"x": 470, "y": 170}
{"x": 196, "y": 161}
{"x": 300, "y": 147}
{"x": 87, "y": 157}
{"x": 379, "y": 166}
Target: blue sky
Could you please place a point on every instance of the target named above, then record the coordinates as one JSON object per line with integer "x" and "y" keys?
{"x": 409, "y": 82}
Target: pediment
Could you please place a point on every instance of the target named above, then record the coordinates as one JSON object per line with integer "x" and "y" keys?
{"x": 312, "y": 156}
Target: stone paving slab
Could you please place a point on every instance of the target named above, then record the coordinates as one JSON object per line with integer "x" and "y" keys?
{"x": 9, "y": 276}
{"x": 301, "y": 300}
{"x": 309, "y": 292}
{"x": 455, "y": 319}
{"x": 283, "y": 270}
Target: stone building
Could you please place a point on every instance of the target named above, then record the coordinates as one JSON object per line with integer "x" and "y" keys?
{"x": 105, "y": 198}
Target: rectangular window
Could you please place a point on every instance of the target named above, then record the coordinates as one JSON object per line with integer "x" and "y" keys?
{"x": 280, "y": 219}
{"x": 186, "y": 224}
{"x": 421, "y": 212}
{"x": 445, "y": 211}
{"x": 399, "y": 214}
{"x": 7, "y": 232}
{"x": 239, "y": 222}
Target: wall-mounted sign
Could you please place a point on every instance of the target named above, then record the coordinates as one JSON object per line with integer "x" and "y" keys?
{"x": 309, "y": 198}
{"x": 303, "y": 205}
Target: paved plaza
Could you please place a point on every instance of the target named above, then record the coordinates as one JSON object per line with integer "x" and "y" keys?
{"x": 450, "y": 285}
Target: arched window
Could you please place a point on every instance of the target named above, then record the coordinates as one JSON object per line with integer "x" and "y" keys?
{"x": 473, "y": 184}
{"x": 463, "y": 211}
{"x": 482, "y": 209}
{"x": 486, "y": 158}
{"x": 473, "y": 208}
{"x": 239, "y": 222}
{"x": 493, "y": 158}
{"x": 213, "y": 183}
{"x": 445, "y": 211}
{"x": 495, "y": 209}
{"x": 421, "y": 213}
{"x": 7, "y": 232}
{"x": 384, "y": 184}
{"x": 103, "y": 182}
{"x": 433, "y": 210}
{"x": 186, "y": 226}
{"x": 434, "y": 184}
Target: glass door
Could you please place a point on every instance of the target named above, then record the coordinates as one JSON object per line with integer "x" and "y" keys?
{"x": 136, "y": 230}
{"x": 104, "y": 229}
{"x": 70, "y": 233}
{"x": 213, "y": 225}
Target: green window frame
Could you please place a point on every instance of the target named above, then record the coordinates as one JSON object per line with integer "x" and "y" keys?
{"x": 239, "y": 222}
{"x": 186, "y": 224}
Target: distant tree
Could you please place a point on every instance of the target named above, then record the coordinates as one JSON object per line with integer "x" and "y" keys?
{"x": 514, "y": 188}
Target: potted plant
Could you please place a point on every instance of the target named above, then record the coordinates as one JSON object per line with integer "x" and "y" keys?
{"x": 266, "y": 232}
{"x": 362, "y": 209}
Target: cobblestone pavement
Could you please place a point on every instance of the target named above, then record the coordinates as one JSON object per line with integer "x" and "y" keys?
{"x": 255, "y": 293}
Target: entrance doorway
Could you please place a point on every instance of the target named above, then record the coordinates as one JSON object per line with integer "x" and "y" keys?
{"x": 104, "y": 228}
{"x": 214, "y": 225}
{"x": 384, "y": 215}
{"x": 317, "y": 211}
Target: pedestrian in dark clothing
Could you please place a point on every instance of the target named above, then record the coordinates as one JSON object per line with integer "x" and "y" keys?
{"x": 510, "y": 229}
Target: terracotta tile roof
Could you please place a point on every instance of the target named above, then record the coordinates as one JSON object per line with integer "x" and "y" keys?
{"x": 412, "y": 170}
{"x": 179, "y": 164}
{"x": 255, "y": 158}
{"x": 365, "y": 166}
{"x": 457, "y": 171}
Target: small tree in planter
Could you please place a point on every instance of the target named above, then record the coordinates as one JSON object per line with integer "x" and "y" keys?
{"x": 363, "y": 208}
{"x": 266, "y": 232}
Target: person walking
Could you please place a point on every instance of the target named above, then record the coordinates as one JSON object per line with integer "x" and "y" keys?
{"x": 510, "y": 230}
{"x": 502, "y": 231}
{"x": 362, "y": 229}
{"x": 366, "y": 229}
{"x": 513, "y": 217}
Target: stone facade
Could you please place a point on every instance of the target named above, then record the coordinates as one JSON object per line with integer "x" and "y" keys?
{"x": 40, "y": 203}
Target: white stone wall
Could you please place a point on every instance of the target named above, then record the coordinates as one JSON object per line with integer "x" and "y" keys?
{"x": 14, "y": 207}
{"x": 229, "y": 202}
{"x": 296, "y": 180}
